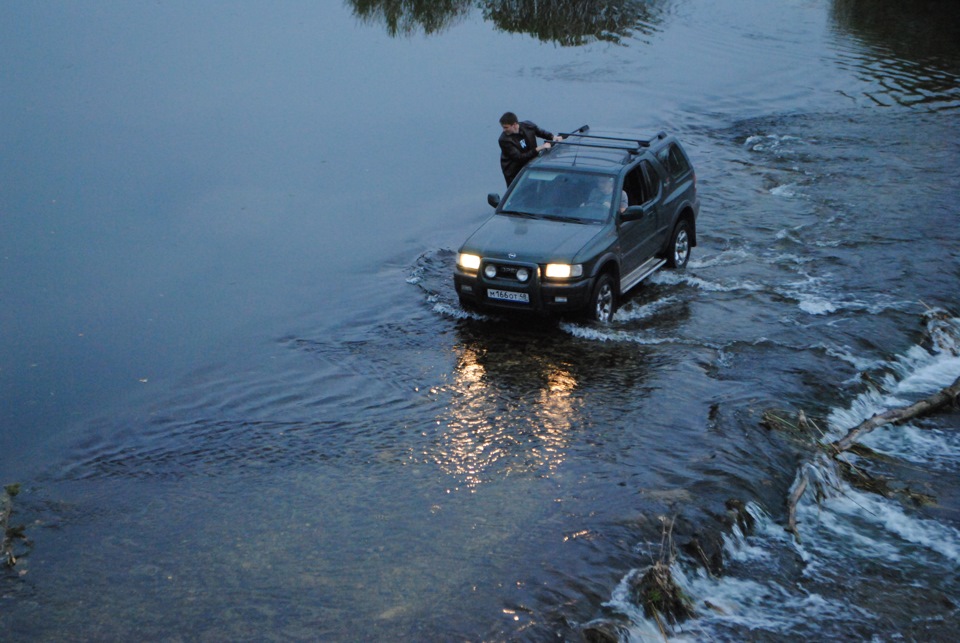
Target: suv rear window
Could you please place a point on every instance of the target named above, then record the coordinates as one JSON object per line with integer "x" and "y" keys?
{"x": 674, "y": 161}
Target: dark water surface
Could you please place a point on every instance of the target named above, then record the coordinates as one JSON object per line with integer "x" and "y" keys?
{"x": 243, "y": 403}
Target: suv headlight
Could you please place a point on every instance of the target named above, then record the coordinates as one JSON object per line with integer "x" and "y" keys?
{"x": 468, "y": 261}
{"x": 564, "y": 270}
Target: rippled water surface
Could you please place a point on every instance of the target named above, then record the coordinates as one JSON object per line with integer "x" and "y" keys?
{"x": 242, "y": 401}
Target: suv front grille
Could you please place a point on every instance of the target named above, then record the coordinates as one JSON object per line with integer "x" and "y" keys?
{"x": 508, "y": 271}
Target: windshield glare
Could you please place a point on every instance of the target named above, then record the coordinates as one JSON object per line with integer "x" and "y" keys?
{"x": 573, "y": 195}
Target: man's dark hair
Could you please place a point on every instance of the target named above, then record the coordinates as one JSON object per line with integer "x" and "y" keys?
{"x": 508, "y": 118}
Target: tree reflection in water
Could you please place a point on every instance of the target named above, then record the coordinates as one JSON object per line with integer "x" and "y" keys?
{"x": 574, "y": 22}
{"x": 909, "y": 51}
{"x": 564, "y": 22}
{"x": 407, "y": 17}
{"x": 921, "y": 30}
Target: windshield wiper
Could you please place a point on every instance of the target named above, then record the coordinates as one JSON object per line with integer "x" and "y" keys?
{"x": 517, "y": 213}
{"x": 558, "y": 217}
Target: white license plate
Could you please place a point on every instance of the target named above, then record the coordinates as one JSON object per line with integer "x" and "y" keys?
{"x": 506, "y": 295}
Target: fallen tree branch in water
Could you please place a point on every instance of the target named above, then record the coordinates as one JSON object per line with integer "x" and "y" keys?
{"x": 944, "y": 335}
{"x": 798, "y": 488}
{"x": 8, "y": 534}
{"x": 947, "y": 397}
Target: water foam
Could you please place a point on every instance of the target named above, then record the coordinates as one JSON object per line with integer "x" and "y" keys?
{"x": 725, "y": 258}
{"x": 732, "y": 602}
{"x": 815, "y": 305}
{"x": 838, "y": 523}
{"x": 916, "y": 373}
{"x": 611, "y": 334}
{"x": 769, "y": 142}
{"x": 456, "y": 312}
{"x": 851, "y": 509}
{"x": 860, "y": 363}
{"x": 632, "y": 312}
{"x": 675, "y": 278}
{"x": 786, "y": 191}
{"x": 813, "y": 299}
{"x": 939, "y": 450}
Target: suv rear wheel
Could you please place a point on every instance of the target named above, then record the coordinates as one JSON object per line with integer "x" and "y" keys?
{"x": 679, "y": 253}
{"x": 603, "y": 303}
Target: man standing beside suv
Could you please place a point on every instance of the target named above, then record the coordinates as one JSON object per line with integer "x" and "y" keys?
{"x": 518, "y": 144}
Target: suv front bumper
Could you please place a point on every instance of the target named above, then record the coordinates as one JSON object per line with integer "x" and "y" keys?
{"x": 508, "y": 294}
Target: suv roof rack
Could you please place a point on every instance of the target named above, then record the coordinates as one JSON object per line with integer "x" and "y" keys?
{"x": 635, "y": 147}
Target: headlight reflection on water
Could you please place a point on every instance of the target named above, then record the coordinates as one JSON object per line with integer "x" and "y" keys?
{"x": 505, "y": 417}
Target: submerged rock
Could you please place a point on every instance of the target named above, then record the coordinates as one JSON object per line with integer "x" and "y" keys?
{"x": 707, "y": 550}
{"x": 605, "y": 631}
{"x": 740, "y": 515}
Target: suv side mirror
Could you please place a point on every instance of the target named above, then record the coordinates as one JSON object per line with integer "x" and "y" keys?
{"x": 493, "y": 199}
{"x": 633, "y": 212}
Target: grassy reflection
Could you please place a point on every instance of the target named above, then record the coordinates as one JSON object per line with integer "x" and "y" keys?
{"x": 507, "y": 414}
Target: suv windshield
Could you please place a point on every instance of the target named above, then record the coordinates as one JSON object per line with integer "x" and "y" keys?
{"x": 553, "y": 194}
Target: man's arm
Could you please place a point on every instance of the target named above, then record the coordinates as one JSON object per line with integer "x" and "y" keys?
{"x": 542, "y": 133}
{"x": 514, "y": 153}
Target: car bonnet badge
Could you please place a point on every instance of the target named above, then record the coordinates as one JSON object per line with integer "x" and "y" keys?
{"x": 512, "y": 255}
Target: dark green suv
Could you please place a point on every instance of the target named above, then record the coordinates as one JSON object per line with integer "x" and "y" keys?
{"x": 581, "y": 225}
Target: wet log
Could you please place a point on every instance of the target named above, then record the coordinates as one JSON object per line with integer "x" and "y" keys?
{"x": 944, "y": 335}
{"x": 798, "y": 488}
{"x": 8, "y": 534}
{"x": 947, "y": 397}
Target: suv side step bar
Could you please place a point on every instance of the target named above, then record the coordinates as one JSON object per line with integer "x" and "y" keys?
{"x": 642, "y": 271}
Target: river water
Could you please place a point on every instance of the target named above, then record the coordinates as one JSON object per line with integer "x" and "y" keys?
{"x": 242, "y": 402}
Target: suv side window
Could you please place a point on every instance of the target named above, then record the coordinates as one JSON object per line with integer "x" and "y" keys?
{"x": 674, "y": 162}
{"x": 639, "y": 184}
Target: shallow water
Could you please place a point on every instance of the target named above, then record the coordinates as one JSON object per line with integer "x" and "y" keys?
{"x": 243, "y": 402}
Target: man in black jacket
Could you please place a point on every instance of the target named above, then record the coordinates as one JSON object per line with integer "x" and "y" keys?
{"x": 518, "y": 144}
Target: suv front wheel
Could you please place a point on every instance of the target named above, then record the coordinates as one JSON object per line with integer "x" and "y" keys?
{"x": 603, "y": 303}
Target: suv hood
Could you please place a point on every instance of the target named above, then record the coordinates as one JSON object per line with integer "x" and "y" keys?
{"x": 532, "y": 240}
